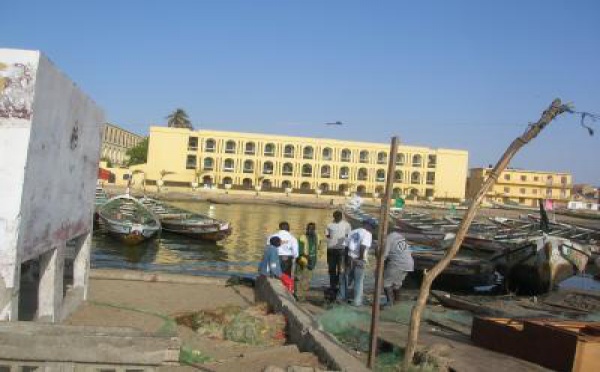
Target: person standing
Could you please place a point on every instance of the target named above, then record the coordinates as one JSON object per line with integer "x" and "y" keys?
{"x": 336, "y": 234}
{"x": 308, "y": 246}
{"x": 357, "y": 245}
{"x": 398, "y": 262}
{"x": 288, "y": 250}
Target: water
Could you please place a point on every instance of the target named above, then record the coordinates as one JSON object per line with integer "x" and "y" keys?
{"x": 239, "y": 254}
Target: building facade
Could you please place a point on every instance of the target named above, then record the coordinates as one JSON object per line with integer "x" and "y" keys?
{"x": 524, "y": 187}
{"x": 115, "y": 143}
{"x": 245, "y": 160}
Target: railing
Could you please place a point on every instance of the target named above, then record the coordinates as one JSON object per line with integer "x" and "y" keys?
{"x": 288, "y": 155}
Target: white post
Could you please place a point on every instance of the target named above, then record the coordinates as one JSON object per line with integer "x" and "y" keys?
{"x": 50, "y": 293}
{"x": 81, "y": 264}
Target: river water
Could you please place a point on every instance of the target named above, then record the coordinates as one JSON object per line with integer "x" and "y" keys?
{"x": 239, "y": 254}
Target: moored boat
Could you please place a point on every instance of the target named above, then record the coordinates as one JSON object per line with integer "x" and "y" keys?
{"x": 125, "y": 218}
{"x": 180, "y": 221}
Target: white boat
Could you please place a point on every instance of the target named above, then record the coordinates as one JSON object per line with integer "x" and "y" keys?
{"x": 125, "y": 218}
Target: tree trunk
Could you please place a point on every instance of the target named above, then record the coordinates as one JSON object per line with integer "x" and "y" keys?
{"x": 555, "y": 109}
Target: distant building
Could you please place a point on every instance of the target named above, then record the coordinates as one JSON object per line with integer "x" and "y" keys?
{"x": 585, "y": 197}
{"x": 277, "y": 163}
{"x": 115, "y": 143}
{"x": 523, "y": 187}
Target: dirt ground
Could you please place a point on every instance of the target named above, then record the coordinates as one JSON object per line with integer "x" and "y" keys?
{"x": 151, "y": 306}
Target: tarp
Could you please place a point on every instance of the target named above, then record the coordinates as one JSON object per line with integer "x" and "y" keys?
{"x": 103, "y": 174}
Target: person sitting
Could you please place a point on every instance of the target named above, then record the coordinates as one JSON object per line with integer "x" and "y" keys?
{"x": 270, "y": 266}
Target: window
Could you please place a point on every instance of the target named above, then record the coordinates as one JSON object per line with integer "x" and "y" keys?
{"x": 327, "y": 153}
{"x": 209, "y": 164}
{"x": 125, "y": 176}
{"x": 268, "y": 167}
{"x": 286, "y": 185}
{"x": 381, "y": 158}
{"x": 507, "y": 189}
{"x": 417, "y": 160}
{"x": 344, "y": 173}
{"x": 380, "y": 176}
{"x": 521, "y": 200}
{"x": 288, "y": 151}
{"x": 431, "y": 161}
{"x": 306, "y": 170}
{"x": 400, "y": 159}
{"x": 288, "y": 169}
{"x": 563, "y": 194}
{"x": 269, "y": 149}
{"x": 362, "y": 174}
{"x": 210, "y": 145}
{"x": 325, "y": 171}
{"x": 430, "y": 178}
{"x": 507, "y": 176}
{"x": 346, "y": 154}
{"x": 193, "y": 144}
{"x": 549, "y": 180}
{"x": 536, "y": 178}
{"x": 415, "y": 178}
{"x": 308, "y": 152}
{"x": 230, "y": 147}
{"x": 534, "y": 191}
{"x": 250, "y": 148}
{"x": 523, "y": 178}
{"x": 228, "y": 165}
{"x": 364, "y": 156}
{"x": 227, "y": 181}
{"x": 190, "y": 162}
{"x": 248, "y": 166}
{"x": 398, "y": 176}
{"x": 522, "y": 190}
{"x": 548, "y": 192}
{"x": 563, "y": 180}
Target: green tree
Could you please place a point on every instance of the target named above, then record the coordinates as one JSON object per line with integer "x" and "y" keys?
{"x": 179, "y": 119}
{"x": 139, "y": 153}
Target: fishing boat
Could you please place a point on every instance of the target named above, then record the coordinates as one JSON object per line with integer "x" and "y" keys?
{"x": 180, "y": 221}
{"x": 125, "y": 218}
{"x": 514, "y": 206}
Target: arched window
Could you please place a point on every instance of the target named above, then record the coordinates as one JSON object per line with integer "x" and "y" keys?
{"x": 398, "y": 176}
{"x": 327, "y": 153}
{"x": 346, "y": 154}
{"x": 250, "y": 148}
{"x": 308, "y": 152}
{"x": 417, "y": 160}
{"x": 266, "y": 184}
{"x": 269, "y": 149}
{"x": 381, "y": 158}
{"x": 324, "y": 187}
{"x": 288, "y": 151}
{"x": 247, "y": 183}
{"x": 344, "y": 173}
{"x": 286, "y": 185}
{"x": 228, "y": 165}
{"x": 306, "y": 170}
{"x": 362, "y": 174}
{"x": 288, "y": 169}
{"x": 230, "y": 147}
{"x": 361, "y": 190}
{"x": 227, "y": 181}
{"x": 380, "y": 175}
{"x": 400, "y": 159}
{"x": 305, "y": 186}
{"x": 268, "y": 167}
{"x": 248, "y": 166}
{"x": 415, "y": 178}
{"x": 209, "y": 164}
{"x": 364, "y": 156}
{"x": 325, "y": 171}
{"x": 210, "y": 145}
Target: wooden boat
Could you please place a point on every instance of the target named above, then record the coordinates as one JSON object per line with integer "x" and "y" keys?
{"x": 513, "y": 206}
{"x": 188, "y": 223}
{"x": 125, "y": 218}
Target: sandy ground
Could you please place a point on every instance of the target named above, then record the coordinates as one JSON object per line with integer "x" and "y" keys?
{"x": 151, "y": 305}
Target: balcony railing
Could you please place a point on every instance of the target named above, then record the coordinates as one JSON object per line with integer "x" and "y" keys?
{"x": 325, "y": 175}
{"x": 287, "y": 172}
{"x": 192, "y": 148}
{"x": 210, "y": 149}
{"x": 248, "y": 170}
{"x": 288, "y": 155}
{"x": 227, "y": 169}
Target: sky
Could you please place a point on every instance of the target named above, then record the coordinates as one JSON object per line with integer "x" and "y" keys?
{"x": 452, "y": 74}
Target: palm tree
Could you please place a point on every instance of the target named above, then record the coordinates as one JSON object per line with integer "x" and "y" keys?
{"x": 179, "y": 119}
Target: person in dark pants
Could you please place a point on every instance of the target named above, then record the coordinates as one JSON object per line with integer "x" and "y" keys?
{"x": 336, "y": 234}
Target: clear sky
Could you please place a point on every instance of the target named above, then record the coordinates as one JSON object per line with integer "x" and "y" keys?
{"x": 456, "y": 74}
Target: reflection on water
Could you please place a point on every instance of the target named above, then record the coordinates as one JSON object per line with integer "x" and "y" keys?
{"x": 238, "y": 254}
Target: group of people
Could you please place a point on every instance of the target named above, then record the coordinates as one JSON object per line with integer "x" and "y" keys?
{"x": 293, "y": 260}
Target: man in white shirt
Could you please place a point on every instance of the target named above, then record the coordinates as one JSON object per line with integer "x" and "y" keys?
{"x": 288, "y": 250}
{"x": 336, "y": 234}
{"x": 357, "y": 245}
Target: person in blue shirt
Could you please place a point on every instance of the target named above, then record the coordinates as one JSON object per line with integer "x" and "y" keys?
{"x": 270, "y": 265}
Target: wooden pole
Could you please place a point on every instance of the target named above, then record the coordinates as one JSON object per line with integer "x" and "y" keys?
{"x": 555, "y": 109}
{"x": 383, "y": 227}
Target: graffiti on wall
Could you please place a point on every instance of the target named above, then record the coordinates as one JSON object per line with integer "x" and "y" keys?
{"x": 16, "y": 90}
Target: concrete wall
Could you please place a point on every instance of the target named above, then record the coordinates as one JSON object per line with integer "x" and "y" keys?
{"x": 50, "y": 134}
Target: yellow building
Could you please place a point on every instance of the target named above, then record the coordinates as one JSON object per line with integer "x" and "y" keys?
{"x": 276, "y": 163}
{"x": 115, "y": 143}
{"x": 521, "y": 186}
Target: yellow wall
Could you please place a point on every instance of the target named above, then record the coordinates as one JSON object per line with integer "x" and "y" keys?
{"x": 168, "y": 150}
{"x": 522, "y": 186}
